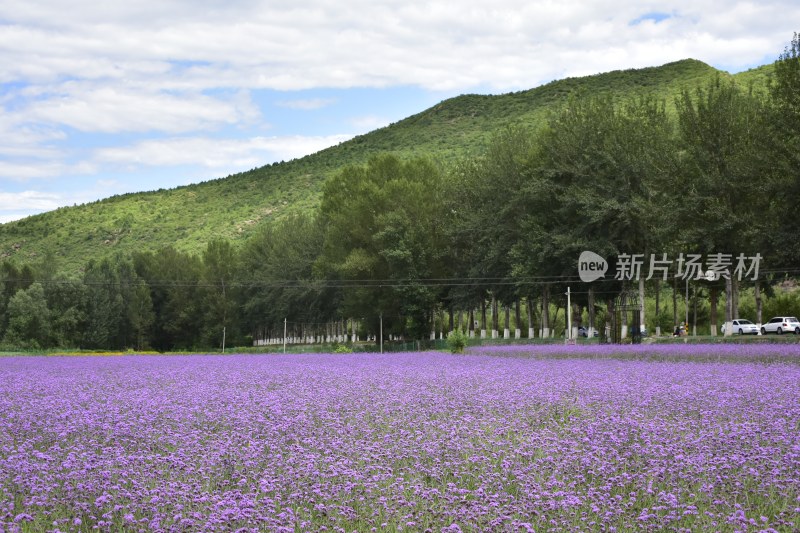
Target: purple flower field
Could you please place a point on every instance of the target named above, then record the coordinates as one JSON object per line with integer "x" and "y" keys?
{"x": 412, "y": 442}
{"x": 762, "y": 352}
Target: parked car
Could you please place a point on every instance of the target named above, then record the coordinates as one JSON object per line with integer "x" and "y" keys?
{"x": 584, "y": 332}
{"x": 741, "y": 326}
{"x": 781, "y": 324}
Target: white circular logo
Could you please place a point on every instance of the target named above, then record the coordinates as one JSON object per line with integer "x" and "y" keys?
{"x": 591, "y": 266}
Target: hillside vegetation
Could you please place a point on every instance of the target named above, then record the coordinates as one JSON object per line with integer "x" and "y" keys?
{"x": 232, "y": 208}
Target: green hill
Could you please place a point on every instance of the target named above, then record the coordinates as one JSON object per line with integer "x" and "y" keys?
{"x": 232, "y": 207}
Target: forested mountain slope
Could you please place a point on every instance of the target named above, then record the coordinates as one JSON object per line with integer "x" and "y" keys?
{"x": 232, "y": 207}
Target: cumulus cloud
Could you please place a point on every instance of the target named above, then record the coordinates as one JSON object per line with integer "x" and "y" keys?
{"x": 309, "y": 104}
{"x": 216, "y": 153}
{"x": 31, "y": 170}
{"x": 112, "y": 109}
{"x": 20, "y": 204}
{"x": 433, "y": 44}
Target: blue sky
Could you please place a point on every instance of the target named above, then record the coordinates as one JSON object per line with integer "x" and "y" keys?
{"x": 107, "y": 98}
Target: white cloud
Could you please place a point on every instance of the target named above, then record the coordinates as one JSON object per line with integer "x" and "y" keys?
{"x": 20, "y": 139}
{"x": 21, "y": 204}
{"x": 112, "y": 109}
{"x": 434, "y": 44}
{"x": 16, "y": 203}
{"x": 215, "y": 153}
{"x": 309, "y": 104}
{"x": 160, "y": 65}
{"x": 25, "y": 171}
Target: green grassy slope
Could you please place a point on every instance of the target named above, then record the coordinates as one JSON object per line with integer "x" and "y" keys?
{"x": 232, "y": 207}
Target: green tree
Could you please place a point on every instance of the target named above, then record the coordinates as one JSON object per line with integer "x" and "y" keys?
{"x": 602, "y": 160}
{"x": 140, "y": 314}
{"x": 785, "y": 89}
{"x": 12, "y": 279}
{"x": 173, "y": 279}
{"x": 29, "y": 320}
{"x": 104, "y": 306}
{"x": 383, "y": 237}
{"x": 484, "y": 206}
{"x": 593, "y": 186}
{"x": 277, "y": 275}
{"x": 784, "y": 148}
{"x": 726, "y": 176}
{"x": 66, "y": 299}
{"x": 722, "y": 189}
{"x": 218, "y": 293}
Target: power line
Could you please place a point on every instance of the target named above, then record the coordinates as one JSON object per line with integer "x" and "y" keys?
{"x": 356, "y": 283}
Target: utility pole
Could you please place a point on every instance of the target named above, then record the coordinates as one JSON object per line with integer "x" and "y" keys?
{"x": 569, "y": 315}
{"x": 284, "y": 335}
{"x": 687, "y": 306}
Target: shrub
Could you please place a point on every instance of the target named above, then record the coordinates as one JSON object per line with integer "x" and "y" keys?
{"x": 457, "y": 341}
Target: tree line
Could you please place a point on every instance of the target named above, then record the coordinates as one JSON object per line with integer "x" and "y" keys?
{"x": 396, "y": 242}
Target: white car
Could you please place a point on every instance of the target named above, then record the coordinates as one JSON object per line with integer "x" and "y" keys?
{"x": 742, "y": 326}
{"x": 781, "y": 324}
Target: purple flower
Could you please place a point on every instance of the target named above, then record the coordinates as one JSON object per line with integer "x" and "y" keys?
{"x": 503, "y": 438}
